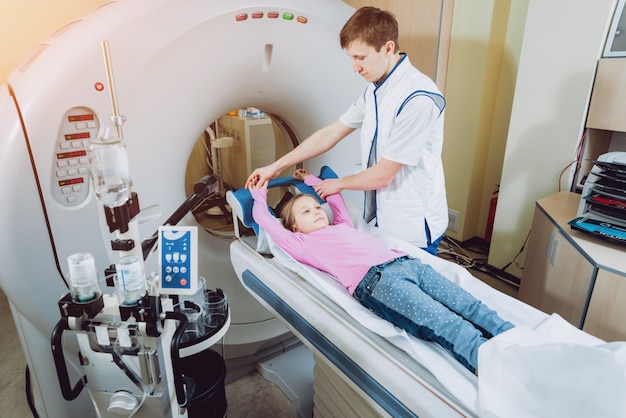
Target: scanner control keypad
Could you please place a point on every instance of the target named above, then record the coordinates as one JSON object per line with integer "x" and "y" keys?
{"x": 70, "y": 169}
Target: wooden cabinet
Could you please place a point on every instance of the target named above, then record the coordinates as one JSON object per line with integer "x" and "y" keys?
{"x": 578, "y": 276}
{"x": 606, "y": 109}
{"x": 607, "y": 310}
{"x": 556, "y": 277}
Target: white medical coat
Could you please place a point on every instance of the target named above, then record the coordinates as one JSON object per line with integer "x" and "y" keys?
{"x": 405, "y": 114}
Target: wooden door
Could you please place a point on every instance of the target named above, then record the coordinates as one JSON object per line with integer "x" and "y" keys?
{"x": 425, "y": 27}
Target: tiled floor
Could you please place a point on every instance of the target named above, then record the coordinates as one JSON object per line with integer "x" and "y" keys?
{"x": 250, "y": 396}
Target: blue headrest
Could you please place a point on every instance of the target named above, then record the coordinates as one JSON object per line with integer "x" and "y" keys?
{"x": 245, "y": 198}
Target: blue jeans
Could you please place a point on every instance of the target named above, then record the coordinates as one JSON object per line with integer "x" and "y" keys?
{"x": 416, "y": 298}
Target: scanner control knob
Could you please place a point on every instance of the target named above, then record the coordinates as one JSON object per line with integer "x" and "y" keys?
{"x": 122, "y": 403}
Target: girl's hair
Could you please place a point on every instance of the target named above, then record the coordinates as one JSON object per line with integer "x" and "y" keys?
{"x": 372, "y": 26}
{"x": 286, "y": 213}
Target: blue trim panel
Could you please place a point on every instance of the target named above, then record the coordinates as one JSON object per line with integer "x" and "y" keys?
{"x": 437, "y": 99}
{"x": 359, "y": 376}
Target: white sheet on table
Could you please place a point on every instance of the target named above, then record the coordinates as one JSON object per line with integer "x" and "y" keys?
{"x": 544, "y": 367}
{"x": 461, "y": 383}
{"x": 554, "y": 370}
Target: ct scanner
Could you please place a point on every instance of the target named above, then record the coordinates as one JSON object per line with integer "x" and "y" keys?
{"x": 178, "y": 67}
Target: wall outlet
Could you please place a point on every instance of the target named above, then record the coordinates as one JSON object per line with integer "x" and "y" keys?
{"x": 453, "y": 220}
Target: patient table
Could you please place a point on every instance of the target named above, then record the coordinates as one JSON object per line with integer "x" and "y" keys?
{"x": 364, "y": 366}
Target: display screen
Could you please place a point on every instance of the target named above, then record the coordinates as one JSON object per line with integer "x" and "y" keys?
{"x": 69, "y": 182}
{"x": 71, "y": 154}
{"x": 80, "y": 135}
{"x": 79, "y": 118}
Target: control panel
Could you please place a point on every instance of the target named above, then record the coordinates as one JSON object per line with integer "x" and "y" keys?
{"x": 178, "y": 259}
{"x": 70, "y": 169}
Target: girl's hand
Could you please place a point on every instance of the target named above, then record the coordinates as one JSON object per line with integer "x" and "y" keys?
{"x": 300, "y": 174}
{"x": 262, "y": 174}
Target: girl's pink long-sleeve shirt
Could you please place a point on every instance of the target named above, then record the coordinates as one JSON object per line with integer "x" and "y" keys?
{"x": 340, "y": 249}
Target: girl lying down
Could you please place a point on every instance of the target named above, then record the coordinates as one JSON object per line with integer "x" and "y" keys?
{"x": 395, "y": 286}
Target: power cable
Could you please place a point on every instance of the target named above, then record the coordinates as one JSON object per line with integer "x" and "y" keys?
{"x": 451, "y": 250}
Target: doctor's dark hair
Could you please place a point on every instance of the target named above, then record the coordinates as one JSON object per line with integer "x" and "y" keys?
{"x": 372, "y": 26}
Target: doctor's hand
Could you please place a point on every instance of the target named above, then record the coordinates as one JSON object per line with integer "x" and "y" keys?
{"x": 257, "y": 184}
{"x": 327, "y": 187}
{"x": 262, "y": 175}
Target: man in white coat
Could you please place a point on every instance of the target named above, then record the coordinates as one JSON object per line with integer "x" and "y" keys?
{"x": 401, "y": 115}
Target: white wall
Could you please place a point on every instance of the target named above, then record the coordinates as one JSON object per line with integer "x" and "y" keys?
{"x": 563, "y": 40}
{"x": 26, "y": 23}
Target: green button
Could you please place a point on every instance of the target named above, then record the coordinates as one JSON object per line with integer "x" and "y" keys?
{"x": 287, "y": 16}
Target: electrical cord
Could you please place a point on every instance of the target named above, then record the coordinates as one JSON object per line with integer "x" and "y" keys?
{"x": 577, "y": 161}
{"x": 463, "y": 259}
{"x": 517, "y": 255}
{"x": 451, "y": 250}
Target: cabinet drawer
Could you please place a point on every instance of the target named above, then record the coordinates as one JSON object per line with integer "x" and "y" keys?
{"x": 556, "y": 276}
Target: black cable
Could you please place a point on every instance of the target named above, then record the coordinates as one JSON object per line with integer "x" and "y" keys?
{"x": 29, "y": 394}
{"x": 69, "y": 393}
{"x": 518, "y": 253}
{"x": 179, "y": 378}
{"x": 449, "y": 253}
{"x": 203, "y": 188}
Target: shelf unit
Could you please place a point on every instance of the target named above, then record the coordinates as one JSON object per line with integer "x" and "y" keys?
{"x": 574, "y": 274}
{"x": 606, "y": 125}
